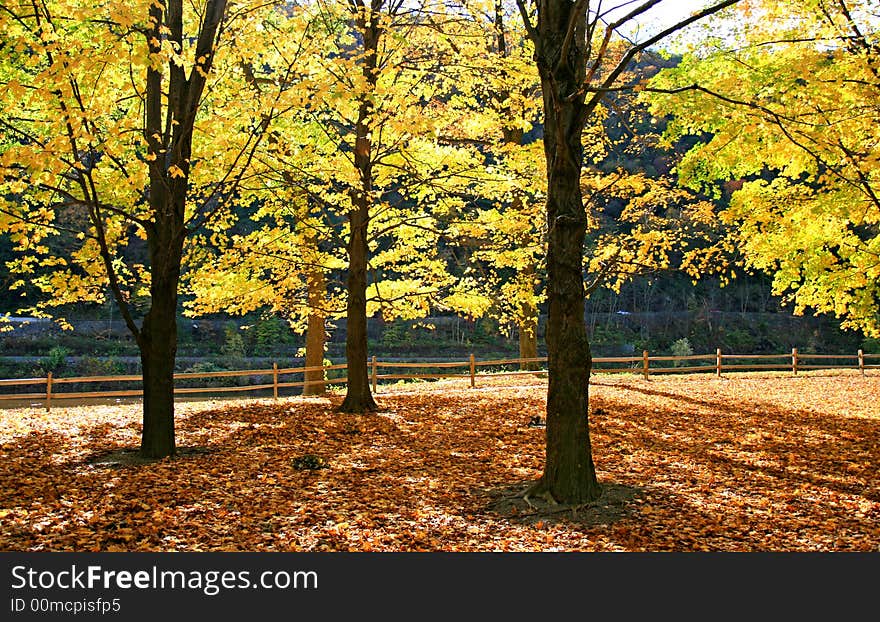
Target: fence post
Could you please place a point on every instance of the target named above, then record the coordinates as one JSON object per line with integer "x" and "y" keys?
{"x": 473, "y": 371}
{"x": 375, "y": 376}
{"x": 275, "y": 380}
{"x": 862, "y": 362}
{"x": 718, "y": 362}
{"x": 645, "y": 364}
{"x": 48, "y": 391}
{"x": 794, "y": 361}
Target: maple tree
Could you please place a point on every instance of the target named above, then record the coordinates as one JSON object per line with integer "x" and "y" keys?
{"x": 423, "y": 167}
{"x": 571, "y": 45}
{"x": 280, "y": 255}
{"x": 380, "y": 108}
{"x": 788, "y": 100}
{"x": 105, "y": 137}
{"x": 280, "y": 247}
{"x": 350, "y": 173}
{"x": 501, "y": 232}
{"x": 661, "y": 226}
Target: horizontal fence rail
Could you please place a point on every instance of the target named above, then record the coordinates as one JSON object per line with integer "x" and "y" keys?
{"x": 277, "y": 378}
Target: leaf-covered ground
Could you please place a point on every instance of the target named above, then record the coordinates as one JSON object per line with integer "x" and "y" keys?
{"x": 745, "y": 463}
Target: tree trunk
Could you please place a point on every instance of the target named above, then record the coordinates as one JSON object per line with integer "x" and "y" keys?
{"x": 315, "y": 334}
{"x": 528, "y": 339}
{"x": 157, "y": 437}
{"x": 358, "y": 398}
{"x": 527, "y": 314}
{"x": 158, "y": 348}
{"x": 569, "y": 475}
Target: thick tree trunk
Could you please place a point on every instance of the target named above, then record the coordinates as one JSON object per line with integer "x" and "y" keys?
{"x": 158, "y": 347}
{"x": 315, "y": 334}
{"x": 569, "y": 475}
{"x": 157, "y": 339}
{"x": 157, "y": 438}
{"x": 358, "y": 398}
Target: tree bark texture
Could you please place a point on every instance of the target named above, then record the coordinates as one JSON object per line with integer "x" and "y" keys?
{"x": 157, "y": 339}
{"x": 358, "y": 397}
{"x": 569, "y": 474}
{"x": 158, "y": 346}
{"x": 171, "y": 102}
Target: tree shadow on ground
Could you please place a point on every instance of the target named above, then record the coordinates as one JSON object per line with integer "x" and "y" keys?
{"x": 791, "y": 445}
{"x": 448, "y": 472}
{"x": 125, "y": 457}
{"x": 616, "y": 503}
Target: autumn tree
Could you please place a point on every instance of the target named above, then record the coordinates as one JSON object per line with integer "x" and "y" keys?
{"x": 315, "y": 190}
{"x": 381, "y": 111}
{"x": 105, "y": 118}
{"x": 571, "y": 42}
{"x": 501, "y": 233}
{"x": 515, "y": 99}
{"x": 279, "y": 255}
{"x": 639, "y": 222}
{"x": 787, "y": 94}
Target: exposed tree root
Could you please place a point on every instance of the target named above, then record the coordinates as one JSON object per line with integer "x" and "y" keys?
{"x": 536, "y": 501}
{"x": 545, "y": 495}
{"x": 574, "y": 509}
{"x": 517, "y": 495}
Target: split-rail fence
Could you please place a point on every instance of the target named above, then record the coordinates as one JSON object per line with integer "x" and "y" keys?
{"x": 278, "y": 379}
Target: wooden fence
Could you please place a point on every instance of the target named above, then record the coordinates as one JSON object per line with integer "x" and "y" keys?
{"x": 642, "y": 365}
